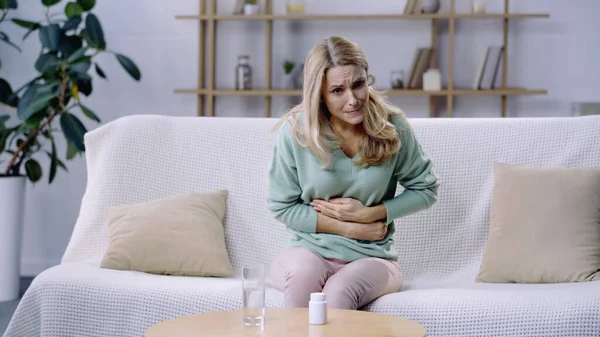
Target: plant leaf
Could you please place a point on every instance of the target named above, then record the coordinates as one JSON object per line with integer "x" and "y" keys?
{"x": 75, "y": 92}
{"x": 85, "y": 85}
{"x": 59, "y": 163}
{"x": 46, "y": 62}
{"x": 6, "y": 93}
{"x": 53, "y": 162}
{"x": 72, "y": 150}
{"x": 83, "y": 33}
{"x": 34, "y": 121}
{"x": 31, "y": 30}
{"x": 77, "y": 54}
{"x": 94, "y": 32}
{"x": 49, "y": 3}
{"x": 129, "y": 66}
{"x": 6, "y": 39}
{"x": 72, "y": 23}
{"x": 33, "y": 101}
{"x": 3, "y": 136}
{"x": 50, "y": 36}
{"x": 33, "y": 169}
{"x": 73, "y": 9}
{"x": 73, "y": 130}
{"x": 36, "y": 105}
{"x": 34, "y": 97}
{"x": 8, "y": 4}
{"x": 17, "y": 131}
{"x": 69, "y": 44}
{"x": 99, "y": 71}
{"x": 89, "y": 113}
{"x": 25, "y": 23}
{"x": 79, "y": 71}
{"x": 87, "y": 5}
{"x": 82, "y": 64}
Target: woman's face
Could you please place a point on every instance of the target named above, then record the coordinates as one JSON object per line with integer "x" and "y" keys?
{"x": 345, "y": 92}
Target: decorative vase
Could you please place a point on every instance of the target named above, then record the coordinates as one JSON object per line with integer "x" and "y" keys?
{"x": 12, "y": 201}
{"x": 432, "y": 80}
{"x": 430, "y": 6}
{"x": 251, "y": 9}
{"x": 287, "y": 82}
{"x": 397, "y": 79}
{"x": 478, "y": 7}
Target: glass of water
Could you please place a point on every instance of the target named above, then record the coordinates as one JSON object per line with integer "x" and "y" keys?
{"x": 253, "y": 300}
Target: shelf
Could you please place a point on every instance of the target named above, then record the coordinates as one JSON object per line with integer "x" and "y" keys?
{"x": 500, "y": 92}
{"x": 316, "y": 17}
{"x": 233, "y": 92}
{"x": 209, "y": 19}
{"x": 388, "y": 92}
{"x": 465, "y": 92}
{"x": 501, "y": 16}
{"x": 360, "y": 17}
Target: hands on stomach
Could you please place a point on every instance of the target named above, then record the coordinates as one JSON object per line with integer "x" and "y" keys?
{"x": 351, "y": 218}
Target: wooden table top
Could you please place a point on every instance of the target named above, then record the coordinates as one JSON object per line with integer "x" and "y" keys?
{"x": 281, "y": 322}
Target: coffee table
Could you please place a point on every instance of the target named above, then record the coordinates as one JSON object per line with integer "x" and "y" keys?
{"x": 284, "y": 322}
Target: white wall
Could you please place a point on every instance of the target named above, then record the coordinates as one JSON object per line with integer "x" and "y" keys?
{"x": 559, "y": 54}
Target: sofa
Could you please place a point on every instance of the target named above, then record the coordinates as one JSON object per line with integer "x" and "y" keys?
{"x": 147, "y": 157}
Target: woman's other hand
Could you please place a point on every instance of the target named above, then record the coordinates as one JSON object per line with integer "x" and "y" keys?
{"x": 374, "y": 231}
{"x": 343, "y": 209}
{"x": 349, "y": 209}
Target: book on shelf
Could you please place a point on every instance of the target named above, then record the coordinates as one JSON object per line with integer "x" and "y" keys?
{"x": 419, "y": 66}
{"x": 239, "y": 7}
{"x": 489, "y": 67}
{"x": 411, "y": 6}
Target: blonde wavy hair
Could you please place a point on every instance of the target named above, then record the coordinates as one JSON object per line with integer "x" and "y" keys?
{"x": 380, "y": 139}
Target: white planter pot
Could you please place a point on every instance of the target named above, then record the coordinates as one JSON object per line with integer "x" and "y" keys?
{"x": 287, "y": 82}
{"x": 250, "y": 9}
{"x": 12, "y": 205}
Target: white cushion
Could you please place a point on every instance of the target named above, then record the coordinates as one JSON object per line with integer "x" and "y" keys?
{"x": 177, "y": 235}
{"x": 544, "y": 225}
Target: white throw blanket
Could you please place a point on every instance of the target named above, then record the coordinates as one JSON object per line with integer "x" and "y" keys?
{"x": 140, "y": 158}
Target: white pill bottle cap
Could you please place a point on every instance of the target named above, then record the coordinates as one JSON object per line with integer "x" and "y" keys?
{"x": 317, "y": 297}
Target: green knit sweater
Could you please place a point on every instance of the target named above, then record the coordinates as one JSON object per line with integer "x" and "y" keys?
{"x": 295, "y": 178}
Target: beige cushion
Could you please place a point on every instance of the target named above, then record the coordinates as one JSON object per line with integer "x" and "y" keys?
{"x": 178, "y": 235}
{"x": 544, "y": 225}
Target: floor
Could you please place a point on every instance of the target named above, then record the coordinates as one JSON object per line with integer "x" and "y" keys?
{"x": 8, "y": 308}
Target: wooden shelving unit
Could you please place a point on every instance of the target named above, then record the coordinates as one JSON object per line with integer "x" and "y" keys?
{"x": 208, "y": 19}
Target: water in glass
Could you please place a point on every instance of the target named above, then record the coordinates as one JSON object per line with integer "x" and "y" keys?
{"x": 253, "y": 301}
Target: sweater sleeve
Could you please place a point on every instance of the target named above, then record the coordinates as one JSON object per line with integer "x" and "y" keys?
{"x": 284, "y": 190}
{"x": 414, "y": 171}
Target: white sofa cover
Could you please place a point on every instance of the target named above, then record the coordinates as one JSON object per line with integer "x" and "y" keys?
{"x": 142, "y": 157}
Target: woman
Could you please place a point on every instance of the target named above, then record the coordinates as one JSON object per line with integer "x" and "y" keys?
{"x": 337, "y": 159}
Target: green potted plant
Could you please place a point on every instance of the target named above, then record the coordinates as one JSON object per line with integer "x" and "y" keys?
{"x": 251, "y": 7}
{"x": 288, "y": 79}
{"x": 46, "y": 107}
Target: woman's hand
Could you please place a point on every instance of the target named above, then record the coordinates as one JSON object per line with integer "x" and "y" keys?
{"x": 343, "y": 209}
{"x": 374, "y": 231}
{"x": 348, "y": 209}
